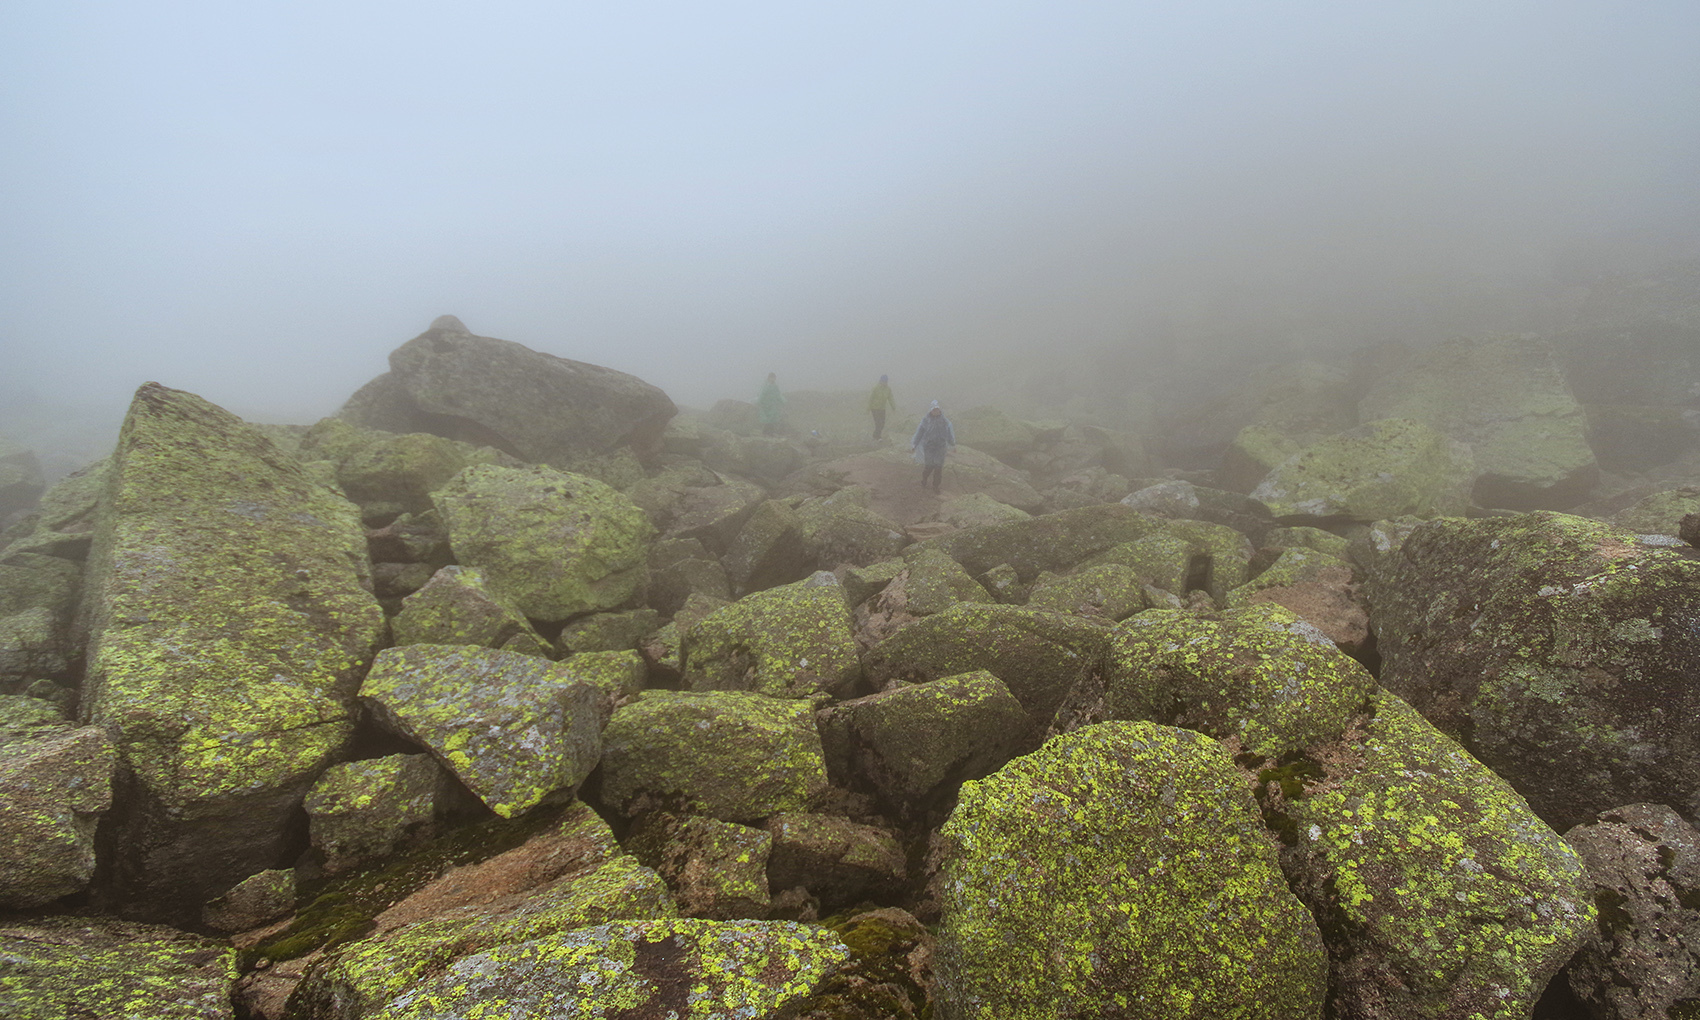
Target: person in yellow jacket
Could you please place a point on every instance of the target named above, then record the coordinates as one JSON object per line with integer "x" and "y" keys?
{"x": 878, "y": 402}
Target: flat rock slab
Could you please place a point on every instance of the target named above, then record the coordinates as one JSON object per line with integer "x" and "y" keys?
{"x": 61, "y": 967}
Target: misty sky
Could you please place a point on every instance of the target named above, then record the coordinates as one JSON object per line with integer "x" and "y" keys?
{"x": 257, "y": 201}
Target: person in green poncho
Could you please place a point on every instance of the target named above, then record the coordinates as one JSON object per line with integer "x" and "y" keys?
{"x": 769, "y": 404}
{"x": 878, "y": 402}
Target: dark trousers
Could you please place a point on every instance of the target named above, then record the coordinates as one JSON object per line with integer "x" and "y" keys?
{"x": 879, "y": 422}
{"x": 934, "y": 471}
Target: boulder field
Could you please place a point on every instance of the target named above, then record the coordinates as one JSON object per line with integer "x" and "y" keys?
{"x": 506, "y": 693}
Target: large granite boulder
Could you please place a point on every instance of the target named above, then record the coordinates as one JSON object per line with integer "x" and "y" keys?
{"x": 1660, "y": 513}
{"x": 838, "y": 861}
{"x": 1557, "y": 649}
{"x": 516, "y": 729}
{"x": 63, "y": 521}
{"x": 1507, "y": 398}
{"x": 1188, "y": 502}
{"x": 768, "y": 550}
{"x": 1054, "y": 542}
{"x": 735, "y": 756}
{"x": 839, "y": 530}
{"x": 38, "y": 597}
{"x": 1643, "y": 958}
{"x": 760, "y": 970}
{"x": 456, "y": 607}
{"x": 55, "y": 783}
{"x": 1439, "y": 892}
{"x": 1260, "y": 675}
{"x": 714, "y": 869}
{"x": 61, "y": 967}
{"x": 1383, "y": 469}
{"x": 362, "y": 811}
{"x": 550, "y": 543}
{"x": 929, "y": 582}
{"x": 229, "y": 620}
{"x": 535, "y": 406}
{"x": 787, "y": 642}
{"x": 1121, "y": 870}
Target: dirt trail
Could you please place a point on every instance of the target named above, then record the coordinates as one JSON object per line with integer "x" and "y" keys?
{"x": 894, "y": 488}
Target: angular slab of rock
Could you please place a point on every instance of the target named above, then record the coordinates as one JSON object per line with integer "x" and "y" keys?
{"x": 550, "y": 543}
{"x": 1559, "y": 648}
{"x": 838, "y": 531}
{"x": 768, "y": 550}
{"x": 1383, "y": 469}
{"x": 1439, "y": 891}
{"x": 753, "y": 969}
{"x": 360, "y": 811}
{"x": 59, "y": 967}
{"x": 1644, "y": 957}
{"x": 735, "y": 756}
{"x": 229, "y": 618}
{"x": 839, "y": 861}
{"x": 786, "y": 642}
{"x": 914, "y": 743}
{"x": 715, "y": 869}
{"x": 1054, "y": 542}
{"x": 1108, "y": 592}
{"x": 536, "y": 406}
{"x": 55, "y": 783}
{"x": 456, "y": 607}
{"x": 516, "y": 729}
{"x": 1120, "y": 870}
{"x": 38, "y": 596}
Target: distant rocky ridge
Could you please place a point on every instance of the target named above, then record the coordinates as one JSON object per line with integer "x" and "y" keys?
{"x": 512, "y": 684}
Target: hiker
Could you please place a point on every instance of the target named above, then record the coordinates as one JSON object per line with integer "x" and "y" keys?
{"x": 768, "y": 405}
{"x": 932, "y": 437}
{"x": 878, "y": 401}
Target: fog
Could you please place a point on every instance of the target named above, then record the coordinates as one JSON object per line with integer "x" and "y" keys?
{"x": 257, "y": 202}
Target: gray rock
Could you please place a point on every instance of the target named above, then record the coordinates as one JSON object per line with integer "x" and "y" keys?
{"x": 714, "y": 869}
{"x": 59, "y": 967}
{"x": 456, "y": 607}
{"x": 360, "y": 811}
{"x": 55, "y": 783}
{"x": 838, "y": 861}
{"x": 255, "y": 901}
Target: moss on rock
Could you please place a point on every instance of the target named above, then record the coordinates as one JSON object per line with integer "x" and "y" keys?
{"x": 456, "y": 607}
{"x": 1381, "y": 469}
{"x": 786, "y": 642}
{"x": 60, "y": 967}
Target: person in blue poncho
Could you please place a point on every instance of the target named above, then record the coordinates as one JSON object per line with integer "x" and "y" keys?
{"x": 769, "y": 404}
{"x": 933, "y": 439}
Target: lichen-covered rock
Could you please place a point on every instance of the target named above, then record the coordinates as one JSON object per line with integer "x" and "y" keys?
{"x": 1121, "y": 870}
{"x": 1254, "y": 452}
{"x": 994, "y": 431}
{"x": 671, "y": 586}
{"x": 21, "y": 480}
{"x": 732, "y": 755}
{"x": 975, "y": 509}
{"x": 863, "y": 583}
{"x": 1558, "y": 649}
{"x": 616, "y": 674}
{"x": 1258, "y": 674}
{"x": 713, "y": 514}
{"x": 1661, "y": 513}
{"x": 59, "y": 967}
{"x": 516, "y": 729}
{"x": 1054, "y": 542}
{"x": 536, "y": 406}
{"x": 768, "y": 550}
{"x": 1108, "y": 591}
{"x": 412, "y": 538}
{"x": 394, "y": 474}
{"x": 1328, "y": 600}
{"x": 1037, "y": 654}
{"x": 254, "y": 901}
{"x": 1643, "y": 958}
{"x": 714, "y": 869}
{"x": 63, "y": 521}
{"x": 1188, "y": 502}
{"x": 839, "y": 861}
{"x": 1305, "y": 537}
{"x": 38, "y": 596}
{"x": 1218, "y": 557}
{"x": 913, "y": 744}
{"x": 1295, "y": 565}
{"x": 360, "y": 811}
{"x": 931, "y": 582}
{"x": 229, "y": 622}
{"x": 890, "y": 975}
{"x": 550, "y": 543}
{"x": 566, "y": 875}
{"x": 689, "y": 968}
{"x": 786, "y": 642}
{"x": 1440, "y": 893}
{"x": 838, "y": 530}
{"x": 762, "y": 458}
{"x": 1506, "y": 397}
{"x": 456, "y": 607}
{"x": 55, "y": 783}
{"x": 1381, "y": 469}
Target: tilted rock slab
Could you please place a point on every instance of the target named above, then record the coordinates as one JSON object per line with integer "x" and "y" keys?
{"x": 550, "y": 543}
{"x": 229, "y": 617}
{"x": 59, "y": 967}
{"x": 1382, "y": 469}
{"x": 55, "y": 783}
{"x": 1439, "y": 891}
{"x": 535, "y": 406}
{"x": 738, "y": 757}
{"x": 456, "y": 608}
{"x": 1121, "y": 870}
{"x": 516, "y": 729}
{"x": 360, "y": 811}
{"x": 1559, "y": 650}
{"x": 785, "y": 642}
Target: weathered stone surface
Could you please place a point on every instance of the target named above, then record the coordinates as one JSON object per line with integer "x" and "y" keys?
{"x": 607, "y": 632}
{"x": 360, "y": 811}
{"x": 21, "y": 480}
{"x": 975, "y": 509}
{"x": 1305, "y": 537}
{"x": 551, "y": 543}
{"x": 785, "y": 642}
{"x": 734, "y": 756}
{"x": 1643, "y": 958}
{"x": 1329, "y": 600}
{"x": 768, "y": 550}
{"x": 838, "y": 530}
{"x": 1506, "y": 397}
{"x": 38, "y": 596}
{"x": 671, "y": 586}
{"x": 617, "y": 675}
{"x": 566, "y": 875}
{"x": 914, "y": 744}
{"x": 456, "y": 607}
{"x": 1258, "y": 674}
{"x": 1185, "y": 501}
{"x": 1559, "y": 651}
{"x": 1295, "y": 565}
{"x": 412, "y": 538}
{"x": 398, "y": 474}
{"x": 60, "y": 967}
{"x": 1054, "y": 542}
{"x": 1382, "y": 469}
{"x": 1121, "y": 870}
{"x": 1037, "y": 654}
{"x": 1184, "y": 556}
{"x": 63, "y": 521}
{"x": 516, "y": 729}
{"x": 862, "y": 583}
{"x": 714, "y": 869}
{"x": 690, "y": 967}
{"x": 1109, "y": 592}
{"x": 229, "y": 619}
{"x": 1661, "y": 513}
{"x": 838, "y": 861}
{"x": 761, "y": 458}
{"x": 929, "y": 583}
{"x": 55, "y": 783}
{"x": 535, "y": 406}
{"x": 256, "y": 900}
{"x": 1254, "y": 452}
{"x": 1440, "y": 893}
